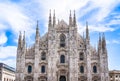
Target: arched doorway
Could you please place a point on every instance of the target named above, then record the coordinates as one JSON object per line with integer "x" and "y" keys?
{"x": 62, "y": 78}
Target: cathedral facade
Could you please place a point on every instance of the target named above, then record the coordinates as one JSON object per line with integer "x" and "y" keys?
{"x": 62, "y": 54}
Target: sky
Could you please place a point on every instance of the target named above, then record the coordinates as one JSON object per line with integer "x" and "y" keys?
{"x": 22, "y": 15}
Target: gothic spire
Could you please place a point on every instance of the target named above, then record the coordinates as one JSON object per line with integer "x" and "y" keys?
{"x": 54, "y": 19}
{"x": 37, "y": 33}
{"x": 50, "y": 20}
{"x": 19, "y": 41}
{"x": 104, "y": 43}
{"x": 99, "y": 42}
{"x": 87, "y": 33}
{"x": 83, "y": 35}
{"x": 70, "y": 19}
{"x": 24, "y": 40}
{"x": 74, "y": 19}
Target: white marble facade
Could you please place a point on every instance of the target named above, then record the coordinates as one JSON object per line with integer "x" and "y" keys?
{"x": 62, "y": 54}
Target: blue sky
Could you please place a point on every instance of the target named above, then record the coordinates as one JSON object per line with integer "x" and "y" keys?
{"x": 21, "y": 15}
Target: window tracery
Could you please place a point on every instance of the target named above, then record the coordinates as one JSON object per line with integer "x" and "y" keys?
{"x": 62, "y": 40}
{"x": 81, "y": 55}
{"x": 43, "y": 56}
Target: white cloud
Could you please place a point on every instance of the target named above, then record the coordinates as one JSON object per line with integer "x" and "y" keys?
{"x": 96, "y": 28}
{"x": 19, "y": 17}
{"x": 2, "y": 27}
{"x": 114, "y": 22}
{"x": 106, "y": 6}
{"x": 3, "y": 38}
{"x": 13, "y": 15}
{"x": 10, "y": 62}
{"x": 116, "y": 41}
{"x": 101, "y": 28}
{"x": 82, "y": 7}
{"x": 8, "y": 51}
{"x": 113, "y": 41}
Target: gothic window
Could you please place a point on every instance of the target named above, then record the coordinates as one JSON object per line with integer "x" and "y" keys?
{"x": 94, "y": 69}
{"x": 81, "y": 69}
{"x": 43, "y": 69}
{"x": 62, "y": 40}
{"x": 62, "y": 78}
{"x": 43, "y": 56}
{"x": 81, "y": 56}
{"x": 62, "y": 59}
{"x": 29, "y": 69}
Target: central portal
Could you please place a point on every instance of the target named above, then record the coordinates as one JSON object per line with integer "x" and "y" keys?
{"x": 62, "y": 78}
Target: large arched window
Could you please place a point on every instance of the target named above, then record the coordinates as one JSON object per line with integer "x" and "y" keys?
{"x": 81, "y": 69}
{"x": 29, "y": 69}
{"x": 43, "y": 56}
{"x": 62, "y": 59}
{"x": 81, "y": 56}
{"x": 94, "y": 69}
{"x": 43, "y": 69}
{"x": 62, "y": 40}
